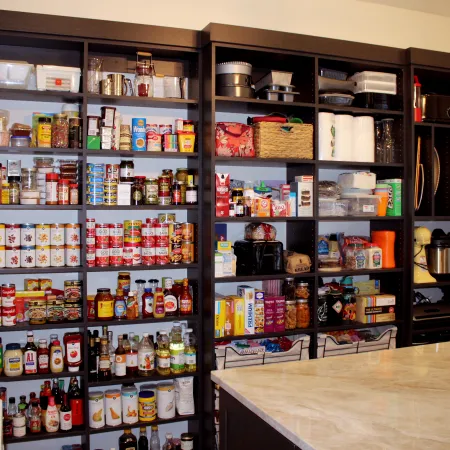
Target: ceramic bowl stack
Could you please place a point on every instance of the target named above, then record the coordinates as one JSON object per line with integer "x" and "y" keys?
{"x": 234, "y": 79}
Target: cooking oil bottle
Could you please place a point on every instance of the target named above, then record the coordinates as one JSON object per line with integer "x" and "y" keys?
{"x": 190, "y": 351}
{"x": 163, "y": 353}
{"x": 176, "y": 348}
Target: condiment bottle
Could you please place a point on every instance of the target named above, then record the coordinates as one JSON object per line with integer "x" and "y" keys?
{"x": 132, "y": 357}
{"x": 104, "y": 304}
{"x": 121, "y": 359}
{"x": 120, "y": 306}
{"x": 14, "y": 190}
{"x": 43, "y": 357}
{"x": 146, "y": 357}
{"x": 30, "y": 355}
{"x": 132, "y": 306}
{"x": 170, "y": 302}
{"x": 76, "y": 402}
{"x": 56, "y": 358}
{"x": 186, "y": 302}
{"x": 128, "y": 440}
{"x": 13, "y": 360}
{"x": 158, "y": 302}
{"x": 65, "y": 415}
{"x": 63, "y": 192}
{"x": 92, "y": 361}
{"x": 147, "y": 303}
{"x": 104, "y": 369}
{"x": 176, "y": 349}
{"x": 163, "y": 353}
{"x": 190, "y": 350}
{"x": 73, "y": 194}
{"x": 73, "y": 351}
{"x": 191, "y": 192}
{"x": 52, "y": 416}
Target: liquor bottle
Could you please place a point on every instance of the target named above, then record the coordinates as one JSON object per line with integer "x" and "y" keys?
{"x": 128, "y": 440}
{"x": 186, "y": 302}
{"x": 76, "y": 402}
{"x": 120, "y": 359}
{"x": 112, "y": 353}
{"x": 104, "y": 369}
{"x": 143, "y": 439}
{"x": 30, "y": 365}
{"x": 56, "y": 393}
{"x": 132, "y": 356}
{"x": 92, "y": 361}
{"x": 65, "y": 415}
{"x": 163, "y": 353}
{"x": 169, "y": 445}
{"x": 146, "y": 357}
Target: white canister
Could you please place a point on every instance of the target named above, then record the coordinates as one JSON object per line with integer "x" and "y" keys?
{"x": 73, "y": 255}
{"x": 57, "y": 234}
{"x": 19, "y": 431}
{"x": 96, "y": 409}
{"x": 12, "y": 257}
{"x": 72, "y": 231}
{"x": 165, "y": 400}
{"x": 57, "y": 257}
{"x": 113, "y": 407}
{"x": 12, "y": 234}
{"x": 18, "y": 420}
{"x": 28, "y": 257}
{"x": 43, "y": 256}
{"x": 2, "y": 234}
{"x": 130, "y": 405}
{"x": 27, "y": 234}
{"x": 2, "y": 257}
{"x": 42, "y": 234}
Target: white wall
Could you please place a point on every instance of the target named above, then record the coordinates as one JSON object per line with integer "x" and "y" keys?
{"x": 353, "y": 20}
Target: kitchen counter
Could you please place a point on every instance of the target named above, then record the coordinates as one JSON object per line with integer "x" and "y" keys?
{"x": 390, "y": 399}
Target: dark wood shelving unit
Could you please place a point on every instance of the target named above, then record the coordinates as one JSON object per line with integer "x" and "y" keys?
{"x": 32, "y": 270}
{"x": 142, "y": 267}
{"x": 357, "y": 326}
{"x": 118, "y": 323}
{"x": 75, "y": 431}
{"x": 42, "y": 376}
{"x": 356, "y": 110}
{"x": 266, "y": 335}
{"x": 142, "y": 102}
{"x": 132, "y": 154}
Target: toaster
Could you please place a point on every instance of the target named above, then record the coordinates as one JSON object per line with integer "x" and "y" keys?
{"x": 258, "y": 257}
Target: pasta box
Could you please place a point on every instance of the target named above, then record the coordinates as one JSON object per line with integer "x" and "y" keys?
{"x": 259, "y": 311}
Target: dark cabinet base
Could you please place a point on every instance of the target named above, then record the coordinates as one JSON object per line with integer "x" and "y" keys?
{"x": 241, "y": 429}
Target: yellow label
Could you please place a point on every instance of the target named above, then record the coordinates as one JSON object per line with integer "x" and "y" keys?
{"x": 219, "y": 319}
{"x": 239, "y": 315}
{"x": 105, "y": 308}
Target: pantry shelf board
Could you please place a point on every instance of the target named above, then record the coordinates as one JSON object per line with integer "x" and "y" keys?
{"x": 132, "y": 154}
{"x": 259, "y": 101}
{"x": 41, "y": 151}
{"x": 266, "y": 335}
{"x": 153, "y": 378}
{"x": 107, "y": 429}
{"x": 262, "y": 219}
{"x": 278, "y": 276}
{"x": 147, "y": 207}
{"x": 432, "y": 218}
{"x": 357, "y": 326}
{"x": 354, "y": 164}
{"x": 145, "y": 102}
{"x": 41, "y": 376}
{"x": 437, "y": 284}
{"x": 355, "y": 110}
{"x": 75, "y": 431}
{"x": 40, "y": 96}
{"x": 32, "y": 208}
{"x": 230, "y": 161}
{"x": 112, "y": 323}
{"x": 25, "y": 326}
{"x": 142, "y": 267}
{"x": 49, "y": 270}
{"x": 435, "y": 329}
{"x": 357, "y": 218}
{"x": 355, "y": 273}
{"x": 433, "y": 124}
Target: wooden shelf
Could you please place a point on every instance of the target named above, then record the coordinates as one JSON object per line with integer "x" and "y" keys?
{"x": 40, "y": 96}
{"x": 142, "y": 267}
{"x": 41, "y": 376}
{"x": 29, "y": 437}
{"x": 230, "y": 161}
{"x": 354, "y": 164}
{"x": 33, "y": 270}
{"x": 153, "y": 378}
{"x": 266, "y": 335}
{"x": 134, "y": 154}
{"x": 144, "y": 207}
{"x": 356, "y": 326}
{"x": 247, "y": 278}
{"x": 144, "y": 102}
{"x": 355, "y": 273}
{"x": 42, "y": 207}
{"x": 356, "y": 110}
{"x": 41, "y": 151}
{"x": 261, "y": 219}
{"x": 114, "y": 323}
{"x": 437, "y": 284}
{"x": 25, "y": 326}
{"x": 259, "y": 101}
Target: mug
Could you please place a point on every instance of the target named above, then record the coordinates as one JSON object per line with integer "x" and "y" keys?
{"x": 119, "y": 84}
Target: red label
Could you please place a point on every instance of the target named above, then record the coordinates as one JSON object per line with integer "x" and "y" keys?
{"x": 58, "y": 82}
{"x": 77, "y": 411}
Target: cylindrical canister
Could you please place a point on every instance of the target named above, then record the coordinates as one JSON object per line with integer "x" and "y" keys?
{"x": 96, "y": 409}
{"x": 28, "y": 234}
{"x": 165, "y": 400}
{"x": 147, "y": 406}
{"x": 130, "y": 405}
{"x": 113, "y": 407}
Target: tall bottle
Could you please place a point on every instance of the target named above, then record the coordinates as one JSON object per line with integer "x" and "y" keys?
{"x": 176, "y": 349}
{"x": 121, "y": 358}
{"x": 120, "y": 306}
{"x": 112, "y": 352}
{"x": 159, "y": 311}
{"x": 146, "y": 357}
{"x": 34, "y": 416}
{"x": 132, "y": 356}
{"x": 169, "y": 445}
{"x": 155, "y": 443}
{"x": 56, "y": 358}
{"x": 76, "y": 402}
{"x": 186, "y": 301}
{"x": 30, "y": 365}
{"x": 140, "y": 289}
{"x": 92, "y": 361}
{"x": 1, "y": 356}
{"x": 65, "y": 415}
{"x": 104, "y": 369}
{"x": 52, "y": 416}
{"x": 170, "y": 301}
{"x": 128, "y": 440}
{"x": 143, "y": 439}
{"x": 12, "y": 408}
{"x": 163, "y": 353}
{"x": 147, "y": 303}
{"x": 190, "y": 350}
{"x": 56, "y": 393}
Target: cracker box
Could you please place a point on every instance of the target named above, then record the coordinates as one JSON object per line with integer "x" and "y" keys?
{"x": 375, "y": 308}
{"x": 229, "y": 317}
{"x": 31, "y": 284}
{"x": 303, "y": 188}
{"x": 219, "y": 318}
{"x": 269, "y": 315}
{"x": 259, "y": 311}
{"x": 222, "y": 194}
{"x": 239, "y": 315}
{"x": 279, "y": 313}
{"x": 248, "y": 294}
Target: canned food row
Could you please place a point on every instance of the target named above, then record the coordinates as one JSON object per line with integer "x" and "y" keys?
{"x": 40, "y": 256}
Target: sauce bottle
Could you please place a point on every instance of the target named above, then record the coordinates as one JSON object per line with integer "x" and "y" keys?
{"x": 56, "y": 358}
{"x": 128, "y": 440}
{"x": 104, "y": 304}
{"x": 170, "y": 302}
{"x": 76, "y": 402}
{"x": 52, "y": 416}
{"x": 159, "y": 311}
{"x": 163, "y": 354}
{"x": 132, "y": 306}
{"x": 131, "y": 356}
{"x": 120, "y": 306}
{"x": 73, "y": 350}
{"x": 1, "y": 356}
{"x": 186, "y": 302}
{"x": 104, "y": 369}
{"x": 147, "y": 303}
{"x": 65, "y": 415}
{"x": 43, "y": 357}
{"x": 30, "y": 355}
{"x": 121, "y": 358}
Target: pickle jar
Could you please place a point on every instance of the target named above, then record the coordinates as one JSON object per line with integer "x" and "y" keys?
{"x": 290, "y": 315}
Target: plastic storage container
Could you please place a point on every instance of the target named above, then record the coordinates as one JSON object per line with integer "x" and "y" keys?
{"x": 15, "y": 75}
{"x": 58, "y": 78}
{"x": 336, "y": 99}
{"x": 362, "y": 205}
{"x": 333, "y": 207}
{"x": 380, "y": 82}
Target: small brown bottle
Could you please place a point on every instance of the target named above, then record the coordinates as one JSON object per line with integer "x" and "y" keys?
{"x": 128, "y": 440}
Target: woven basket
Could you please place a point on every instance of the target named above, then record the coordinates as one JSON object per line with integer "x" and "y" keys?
{"x": 284, "y": 140}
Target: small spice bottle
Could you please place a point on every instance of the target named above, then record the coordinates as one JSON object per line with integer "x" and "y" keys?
{"x": 63, "y": 192}
{"x": 73, "y": 194}
{"x": 51, "y": 188}
{"x": 14, "y": 190}
{"x": 44, "y": 132}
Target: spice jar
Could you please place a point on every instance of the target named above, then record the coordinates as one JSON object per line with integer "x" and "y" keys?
{"x": 104, "y": 304}
{"x": 126, "y": 171}
{"x": 60, "y": 131}
{"x": 44, "y": 132}
{"x": 302, "y": 290}
{"x": 137, "y": 191}
{"x": 29, "y": 179}
{"x": 290, "y": 315}
{"x": 51, "y": 188}
{"x": 303, "y": 313}
{"x": 14, "y": 190}
{"x": 63, "y": 192}
{"x": 73, "y": 194}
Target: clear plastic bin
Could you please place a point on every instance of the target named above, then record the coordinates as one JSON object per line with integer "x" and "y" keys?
{"x": 58, "y": 78}
{"x": 382, "y": 77}
{"x": 15, "y": 75}
{"x": 377, "y": 87}
{"x": 362, "y": 205}
{"x": 333, "y": 207}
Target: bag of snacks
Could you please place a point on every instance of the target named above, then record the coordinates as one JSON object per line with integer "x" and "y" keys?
{"x": 296, "y": 262}
{"x": 260, "y": 232}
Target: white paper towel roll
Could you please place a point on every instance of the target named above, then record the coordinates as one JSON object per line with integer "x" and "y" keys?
{"x": 363, "y": 139}
{"x": 326, "y": 136}
{"x": 344, "y": 137}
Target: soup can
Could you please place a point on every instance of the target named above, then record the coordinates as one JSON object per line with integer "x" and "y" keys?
{"x": 9, "y": 317}
{"x": 2, "y": 234}
{"x": 101, "y": 234}
{"x": 28, "y": 257}
{"x": 187, "y": 252}
{"x": 73, "y": 255}
{"x": 162, "y": 254}
{"x": 165, "y": 400}
{"x": 57, "y": 256}
{"x": 132, "y": 239}
{"x": 132, "y": 228}
{"x": 128, "y": 255}
{"x": 116, "y": 256}
{"x": 148, "y": 256}
{"x": 90, "y": 227}
{"x": 188, "y": 231}
{"x": 8, "y": 297}
{"x": 102, "y": 256}
{"x": 147, "y": 406}
{"x": 166, "y": 218}
{"x": 164, "y": 200}
{"x": 113, "y": 407}
{"x": 110, "y": 187}
{"x": 28, "y": 234}
{"x": 137, "y": 254}
{"x": 130, "y": 405}
{"x": 175, "y": 233}
{"x": 116, "y": 235}
{"x": 12, "y": 234}
{"x": 139, "y": 136}
{"x": 161, "y": 230}
{"x": 43, "y": 256}
{"x": 72, "y": 233}
{"x": 57, "y": 234}
{"x": 90, "y": 256}
{"x": 96, "y": 409}
{"x": 12, "y": 257}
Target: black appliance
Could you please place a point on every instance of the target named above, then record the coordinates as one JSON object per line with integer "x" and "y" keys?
{"x": 437, "y": 108}
{"x": 258, "y": 257}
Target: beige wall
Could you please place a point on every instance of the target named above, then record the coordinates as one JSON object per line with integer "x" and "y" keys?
{"x": 344, "y": 19}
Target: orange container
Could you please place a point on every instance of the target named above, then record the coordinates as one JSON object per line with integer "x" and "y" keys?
{"x": 386, "y": 240}
{"x": 382, "y": 205}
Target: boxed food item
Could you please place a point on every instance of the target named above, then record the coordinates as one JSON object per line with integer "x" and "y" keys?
{"x": 303, "y": 188}
{"x": 218, "y": 265}
{"x": 222, "y": 194}
{"x": 269, "y": 315}
{"x": 45, "y": 284}
{"x": 394, "y": 207}
{"x": 280, "y": 303}
{"x": 375, "y": 308}
{"x": 285, "y": 190}
{"x": 31, "y": 284}
{"x": 239, "y": 315}
{"x": 229, "y": 316}
{"x": 123, "y": 194}
{"x": 262, "y": 207}
{"x": 219, "y": 316}
{"x": 369, "y": 287}
{"x": 357, "y": 180}
{"x": 280, "y": 208}
{"x": 248, "y": 294}
{"x": 259, "y": 311}
{"x": 228, "y": 259}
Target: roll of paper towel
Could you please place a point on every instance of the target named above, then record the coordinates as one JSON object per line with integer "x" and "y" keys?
{"x": 326, "y": 136}
{"x": 363, "y": 139}
{"x": 344, "y": 137}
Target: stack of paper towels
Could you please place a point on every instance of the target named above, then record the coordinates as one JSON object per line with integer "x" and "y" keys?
{"x": 346, "y": 138}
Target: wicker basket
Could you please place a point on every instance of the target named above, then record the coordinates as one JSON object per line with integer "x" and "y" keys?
{"x": 284, "y": 140}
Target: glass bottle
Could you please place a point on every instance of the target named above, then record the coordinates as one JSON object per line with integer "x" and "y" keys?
{"x": 186, "y": 301}
{"x": 35, "y": 417}
{"x": 92, "y": 361}
{"x": 143, "y": 82}
{"x": 76, "y": 402}
{"x": 288, "y": 289}
{"x": 65, "y": 415}
{"x": 163, "y": 353}
{"x": 176, "y": 349}
{"x": 155, "y": 443}
{"x": 132, "y": 356}
{"x": 191, "y": 192}
{"x": 159, "y": 311}
{"x": 14, "y": 190}
{"x": 143, "y": 439}
{"x": 170, "y": 302}
{"x": 153, "y": 284}
{"x": 140, "y": 289}
{"x": 12, "y": 409}
{"x": 120, "y": 306}
{"x": 379, "y": 153}
{"x": 95, "y": 75}
{"x": 112, "y": 353}
{"x": 104, "y": 304}
{"x": 169, "y": 445}
{"x": 132, "y": 306}
{"x": 147, "y": 303}
{"x": 138, "y": 191}
{"x": 190, "y": 350}
{"x": 43, "y": 355}
{"x": 104, "y": 368}
{"x": 22, "y": 406}
{"x": 146, "y": 357}
{"x": 128, "y": 440}
{"x": 56, "y": 393}
{"x": 120, "y": 358}
{"x": 388, "y": 140}
{"x": 30, "y": 365}
{"x": 60, "y": 131}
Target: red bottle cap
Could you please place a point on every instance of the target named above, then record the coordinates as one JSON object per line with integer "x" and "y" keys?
{"x": 51, "y": 176}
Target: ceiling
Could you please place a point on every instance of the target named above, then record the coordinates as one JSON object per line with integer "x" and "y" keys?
{"x": 439, "y": 7}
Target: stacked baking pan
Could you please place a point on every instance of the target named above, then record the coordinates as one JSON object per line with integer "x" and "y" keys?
{"x": 234, "y": 79}
{"x": 276, "y": 86}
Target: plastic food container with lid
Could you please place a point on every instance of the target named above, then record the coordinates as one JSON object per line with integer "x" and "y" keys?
{"x": 362, "y": 204}
{"x": 380, "y": 82}
{"x": 336, "y": 99}
{"x": 58, "y": 78}
{"x": 333, "y": 207}
{"x": 15, "y": 75}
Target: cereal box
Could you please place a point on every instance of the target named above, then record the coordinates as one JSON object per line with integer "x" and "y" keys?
{"x": 269, "y": 315}
{"x": 239, "y": 315}
{"x": 259, "y": 311}
{"x": 248, "y": 294}
{"x": 219, "y": 318}
{"x": 229, "y": 316}
{"x": 31, "y": 284}
{"x": 222, "y": 194}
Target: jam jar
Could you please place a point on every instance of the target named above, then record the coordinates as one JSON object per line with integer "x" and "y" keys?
{"x": 60, "y": 131}
{"x": 138, "y": 190}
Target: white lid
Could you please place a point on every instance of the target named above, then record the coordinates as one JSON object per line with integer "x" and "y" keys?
{"x": 60, "y": 68}
{"x": 348, "y": 195}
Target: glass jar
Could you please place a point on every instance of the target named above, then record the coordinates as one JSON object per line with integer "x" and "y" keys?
{"x": 288, "y": 289}
{"x": 73, "y": 194}
{"x": 191, "y": 192}
{"x": 290, "y": 315}
{"x": 322, "y": 309}
{"x": 303, "y": 313}
{"x": 104, "y": 304}
{"x": 60, "y": 131}
{"x": 95, "y": 75}
{"x": 126, "y": 171}
{"x": 43, "y": 162}
{"x": 55, "y": 311}
{"x": 143, "y": 82}
{"x": 124, "y": 281}
{"x": 14, "y": 190}
{"x": 138, "y": 191}
{"x": 37, "y": 312}
{"x": 237, "y": 194}
{"x": 355, "y": 257}
{"x": 182, "y": 174}
{"x": 29, "y": 178}
{"x": 302, "y": 290}
{"x": 151, "y": 191}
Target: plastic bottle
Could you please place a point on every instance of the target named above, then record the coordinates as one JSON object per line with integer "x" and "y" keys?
{"x": 176, "y": 349}
{"x": 158, "y": 304}
{"x": 56, "y": 358}
{"x": 163, "y": 353}
{"x": 120, "y": 359}
{"x": 146, "y": 357}
{"x": 140, "y": 289}
{"x": 155, "y": 443}
{"x": 147, "y": 303}
{"x": 112, "y": 353}
{"x": 169, "y": 445}
{"x": 52, "y": 416}
{"x": 190, "y": 350}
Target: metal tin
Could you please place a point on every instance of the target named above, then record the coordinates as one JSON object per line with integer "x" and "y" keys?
{"x": 162, "y": 254}
{"x": 130, "y": 405}
{"x": 90, "y": 226}
{"x": 12, "y": 257}
{"x": 20, "y": 310}
{"x": 166, "y": 217}
{"x": 102, "y": 256}
{"x": 161, "y": 229}
{"x": 37, "y": 312}
{"x": 101, "y": 234}
{"x": 57, "y": 256}
{"x": 188, "y": 231}
{"x": 116, "y": 256}
{"x": 113, "y": 407}
{"x": 12, "y": 234}
{"x": 72, "y": 233}
{"x": 175, "y": 255}
{"x": 28, "y": 257}
{"x": 148, "y": 256}
{"x": 43, "y": 256}
{"x": 112, "y": 171}
{"x": 91, "y": 307}
{"x": 73, "y": 255}
{"x": 55, "y": 311}
{"x": 95, "y": 168}
{"x": 116, "y": 235}
{"x": 94, "y": 200}
{"x": 28, "y": 234}
{"x": 164, "y": 200}
{"x": 73, "y": 312}
{"x": 165, "y": 400}
{"x": 132, "y": 227}
{"x": 137, "y": 252}
{"x": 94, "y": 179}
{"x": 234, "y": 67}
{"x": 57, "y": 234}
{"x": 138, "y": 137}
{"x": 9, "y": 317}
{"x": 2, "y": 257}
{"x": 175, "y": 233}
{"x": 128, "y": 256}
{"x": 187, "y": 252}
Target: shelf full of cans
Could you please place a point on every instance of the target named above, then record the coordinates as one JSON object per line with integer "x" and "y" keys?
{"x": 117, "y": 184}
{"x": 157, "y": 241}
{"x": 109, "y": 132}
{"x": 40, "y": 303}
{"x": 29, "y": 245}
{"x": 48, "y": 182}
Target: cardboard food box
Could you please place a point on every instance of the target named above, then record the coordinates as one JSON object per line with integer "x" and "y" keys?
{"x": 222, "y": 194}
{"x": 262, "y": 207}
{"x": 219, "y": 318}
{"x": 248, "y": 294}
{"x": 280, "y": 305}
{"x": 229, "y": 317}
{"x": 370, "y": 287}
{"x": 259, "y": 311}
{"x": 269, "y": 315}
{"x": 375, "y": 308}
{"x": 31, "y": 284}
{"x": 239, "y": 315}
{"x": 303, "y": 187}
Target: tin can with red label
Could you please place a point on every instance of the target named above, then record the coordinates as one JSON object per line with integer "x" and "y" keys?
{"x": 128, "y": 255}
{"x": 161, "y": 229}
{"x": 90, "y": 227}
{"x": 148, "y": 256}
{"x": 90, "y": 241}
{"x": 9, "y": 316}
{"x": 102, "y": 256}
{"x": 188, "y": 231}
{"x": 175, "y": 231}
{"x": 116, "y": 235}
{"x": 112, "y": 171}
{"x": 12, "y": 234}
{"x": 187, "y": 252}
{"x": 162, "y": 254}
{"x": 132, "y": 227}
{"x": 151, "y": 220}
{"x": 90, "y": 256}
{"x": 148, "y": 235}
{"x": 116, "y": 256}
{"x": 8, "y": 294}
{"x": 175, "y": 256}
{"x": 101, "y": 234}
{"x": 91, "y": 307}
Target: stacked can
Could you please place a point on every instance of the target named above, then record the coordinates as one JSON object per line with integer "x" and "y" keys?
{"x": 95, "y": 184}
{"x": 90, "y": 242}
{"x": 2, "y": 245}
{"x": 110, "y": 184}
{"x": 162, "y": 243}
{"x": 132, "y": 251}
{"x": 8, "y": 305}
{"x": 187, "y": 243}
{"x": 102, "y": 244}
{"x": 72, "y": 234}
{"x": 149, "y": 242}
{"x": 116, "y": 244}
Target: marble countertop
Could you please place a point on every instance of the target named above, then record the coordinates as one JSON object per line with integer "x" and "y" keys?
{"x": 390, "y": 399}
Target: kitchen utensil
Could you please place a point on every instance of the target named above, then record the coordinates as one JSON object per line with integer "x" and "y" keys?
{"x": 437, "y": 107}
{"x": 234, "y": 67}
{"x": 119, "y": 87}
{"x": 438, "y": 255}
{"x": 436, "y": 170}
{"x": 419, "y": 172}
{"x": 236, "y": 91}
{"x": 95, "y": 75}
{"x": 417, "y": 100}
{"x": 330, "y": 84}
{"x": 106, "y": 86}
{"x": 234, "y": 79}
{"x": 336, "y": 99}
{"x": 274, "y": 77}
